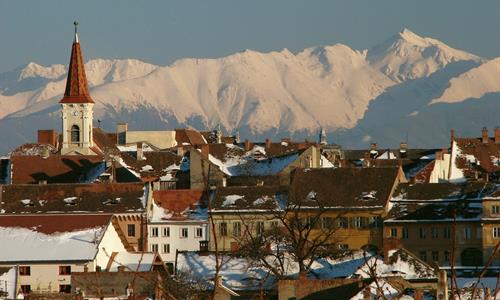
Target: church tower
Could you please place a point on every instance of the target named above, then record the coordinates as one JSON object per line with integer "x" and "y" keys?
{"x": 77, "y": 107}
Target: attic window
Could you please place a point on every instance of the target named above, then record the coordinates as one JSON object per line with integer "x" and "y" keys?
{"x": 70, "y": 201}
{"x": 367, "y": 196}
{"x": 312, "y": 195}
{"x": 27, "y": 203}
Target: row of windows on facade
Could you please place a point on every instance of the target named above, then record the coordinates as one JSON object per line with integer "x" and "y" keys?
{"x": 63, "y": 288}
{"x": 446, "y": 233}
{"x": 183, "y": 232}
{"x": 165, "y": 248}
{"x": 434, "y": 256}
{"x": 26, "y": 270}
{"x": 310, "y": 221}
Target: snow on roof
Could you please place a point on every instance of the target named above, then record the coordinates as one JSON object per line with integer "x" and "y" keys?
{"x": 230, "y": 200}
{"x": 133, "y": 261}
{"x": 400, "y": 263}
{"x": 325, "y": 163}
{"x": 238, "y": 273}
{"x": 387, "y": 155}
{"x": 23, "y": 244}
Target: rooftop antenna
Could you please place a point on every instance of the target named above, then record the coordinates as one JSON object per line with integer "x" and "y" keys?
{"x": 76, "y": 31}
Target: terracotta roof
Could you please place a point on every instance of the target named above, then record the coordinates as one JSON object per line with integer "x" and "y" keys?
{"x": 77, "y": 90}
{"x": 343, "y": 187}
{"x": 158, "y": 160}
{"x": 189, "y": 136}
{"x": 54, "y": 169}
{"x": 249, "y": 198}
{"x": 178, "y": 201}
{"x": 50, "y": 224}
{"x": 424, "y": 174}
{"x": 62, "y": 198}
{"x": 444, "y": 191}
{"x": 253, "y": 180}
{"x": 104, "y": 140}
{"x": 488, "y": 155}
{"x": 461, "y": 209}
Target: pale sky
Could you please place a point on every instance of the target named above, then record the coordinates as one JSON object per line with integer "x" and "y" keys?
{"x": 162, "y": 31}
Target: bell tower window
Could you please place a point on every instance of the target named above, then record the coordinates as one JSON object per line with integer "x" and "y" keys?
{"x": 75, "y": 134}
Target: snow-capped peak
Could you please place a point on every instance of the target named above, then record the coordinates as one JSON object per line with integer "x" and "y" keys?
{"x": 407, "y": 55}
{"x": 32, "y": 70}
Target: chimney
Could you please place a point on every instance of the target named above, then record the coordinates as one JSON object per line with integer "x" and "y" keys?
{"x": 180, "y": 151}
{"x": 121, "y": 133}
{"x": 205, "y": 150}
{"x": 484, "y": 134}
{"x": 47, "y": 137}
{"x": 373, "y": 150}
{"x": 140, "y": 151}
{"x": 452, "y": 134}
{"x": 366, "y": 160}
{"x": 497, "y": 135}
{"x": 403, "y": 147}
{"x": 247, "y": 145}
{"x": 268, "y": 143}
{"x": 121, "y": 268}
{"x": 45, "y": 153}
{"x": 442, "y": 288}
{"x": 439, "y": 155}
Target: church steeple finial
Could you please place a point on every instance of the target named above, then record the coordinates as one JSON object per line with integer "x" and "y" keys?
{"x": 76, "y": 31}
{"x": 77, "y": 90}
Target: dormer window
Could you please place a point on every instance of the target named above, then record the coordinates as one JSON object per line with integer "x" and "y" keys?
{"x": 75, "y": 134}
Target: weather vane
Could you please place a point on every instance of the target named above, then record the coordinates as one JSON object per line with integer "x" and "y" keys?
{"x": 76, "y": 25}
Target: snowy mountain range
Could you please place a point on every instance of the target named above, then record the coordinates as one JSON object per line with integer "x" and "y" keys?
{"x": 406, "y": 88}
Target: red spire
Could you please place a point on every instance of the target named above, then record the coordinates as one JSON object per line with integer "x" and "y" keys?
{"x": 77, "y": 90}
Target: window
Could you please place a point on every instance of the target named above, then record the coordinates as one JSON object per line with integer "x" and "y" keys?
{"x": 165, "y": 248}
{"x": 447, "y": 256}
{"x": 236, "y": 228}
{"x": 405, "y": 232}
{"x": 434, "y": 232}
{"x": 223, "y": 229}
{"x": 343, "y": 222}
{"x": 435, "y": 256}
{"x": 24, "y": 270}
{"x": 64, "y": 270}
{"x": 312, "y": 222}
{"x": 198, "y": 232}
{"x": 423, "y": 233}
{"x": 274, "y": 224}
{"x": 327, "y": 223}
{"x": 446, "y": 232}
{"x": 260, "y": 228}
{"x": 65, "y": 288}
{"x": 495, "y": 209}
{"x": 25, "y": 288}
{"x": 154, "y": 248}
{"x": 375, "y": 222}
{"x": 131, "y": 229}
{"x": 75, "y": 134}
{"x": 154, "y": 231}
{"x": 184, "y": 232}
{"x": 479, "y": 232}
{"x": 165, "y": 232}
{"x": 358, "y": 222}
{"x": 467, "y": 233}
{"x": 394, "y": 232}
{"x": 496, "y": 232}
{"x": 423, "y": 255}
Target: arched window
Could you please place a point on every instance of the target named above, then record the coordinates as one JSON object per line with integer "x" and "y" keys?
{"x": 75, "y": 134}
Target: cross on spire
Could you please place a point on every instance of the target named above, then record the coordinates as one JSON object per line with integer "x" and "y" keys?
{"x": 76, "y": 31}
